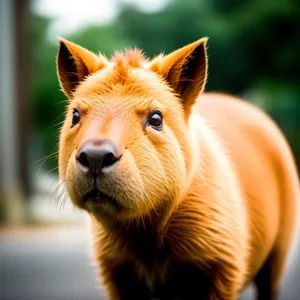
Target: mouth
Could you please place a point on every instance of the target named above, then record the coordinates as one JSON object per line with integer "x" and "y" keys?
{"x": 97, "y": 198}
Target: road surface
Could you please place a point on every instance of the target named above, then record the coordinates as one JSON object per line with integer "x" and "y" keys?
{"x": 56, "y": 263}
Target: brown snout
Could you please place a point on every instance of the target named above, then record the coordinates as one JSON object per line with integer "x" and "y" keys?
{"x": 98, "y": 156}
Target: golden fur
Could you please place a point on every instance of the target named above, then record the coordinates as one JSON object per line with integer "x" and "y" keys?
{"x": 208, "y": 204}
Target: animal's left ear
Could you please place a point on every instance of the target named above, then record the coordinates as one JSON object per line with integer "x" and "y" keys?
{"x": 185, "y": 69}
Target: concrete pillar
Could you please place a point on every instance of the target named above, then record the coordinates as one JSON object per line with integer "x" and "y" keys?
{"x": 12, "y": 208}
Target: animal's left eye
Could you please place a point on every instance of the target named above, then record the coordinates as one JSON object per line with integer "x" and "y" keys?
{"x": 76, "y": 117}
{"x": 155, "y": 120}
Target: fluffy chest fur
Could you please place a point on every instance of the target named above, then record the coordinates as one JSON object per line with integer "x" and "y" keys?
{"x": 151, "y": 262}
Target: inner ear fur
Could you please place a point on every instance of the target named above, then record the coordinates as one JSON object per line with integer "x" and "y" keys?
{"x": 74, "y": 63}
{"x": 185, "y": 70}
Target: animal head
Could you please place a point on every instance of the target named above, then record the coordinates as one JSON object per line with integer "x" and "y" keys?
{"x": 125, "y": 148}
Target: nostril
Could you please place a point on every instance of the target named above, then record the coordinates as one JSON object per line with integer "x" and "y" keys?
{"x": 83, "y": 159}
{"x": 109, "y": 159}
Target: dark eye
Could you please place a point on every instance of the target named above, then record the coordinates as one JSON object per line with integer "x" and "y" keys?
{"x": 76, "y": 118}
{"x": 155, "y": 120}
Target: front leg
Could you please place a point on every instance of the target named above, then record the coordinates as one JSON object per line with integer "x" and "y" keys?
{"x": 122, "y": 283}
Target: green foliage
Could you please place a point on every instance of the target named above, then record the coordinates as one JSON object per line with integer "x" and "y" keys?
{"x": 253, "y": 45}
{"x": 47, "y": 105}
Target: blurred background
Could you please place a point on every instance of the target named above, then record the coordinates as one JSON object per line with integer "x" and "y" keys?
{"x": 253, "y": 50}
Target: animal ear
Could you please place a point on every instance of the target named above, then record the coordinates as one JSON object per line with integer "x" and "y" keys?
{"x": 185, "y": 70}
{"x": 74, "y": 63}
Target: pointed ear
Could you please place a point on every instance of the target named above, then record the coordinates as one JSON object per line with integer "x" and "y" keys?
{"x": 74, "y": 63}
{"x": 185, "y": 69}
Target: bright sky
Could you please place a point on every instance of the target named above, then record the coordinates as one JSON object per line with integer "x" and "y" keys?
{"x": 70, "y": 15}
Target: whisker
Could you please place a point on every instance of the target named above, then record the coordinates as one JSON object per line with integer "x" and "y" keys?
{"x": 63, "y": 203}
{"x": 54, "y": 121}
{"x": 54, "y": 154}
{"x": 58, "y": 124}
{"x": 141, "y": 216}
{"x": 54, "y": 194}
{"x": 49, "y": 187}
{"x": 47, "y": 156}
{"x": 59, "y": 102}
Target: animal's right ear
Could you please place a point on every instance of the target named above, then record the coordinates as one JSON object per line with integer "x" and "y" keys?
{"x": 74, "y": 63}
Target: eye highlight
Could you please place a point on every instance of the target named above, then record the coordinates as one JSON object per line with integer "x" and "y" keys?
{"x": 76, "y": 117}
{"x": 155, "y": 120}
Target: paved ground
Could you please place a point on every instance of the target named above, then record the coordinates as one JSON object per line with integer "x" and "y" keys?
{"x": 55, "y": 263}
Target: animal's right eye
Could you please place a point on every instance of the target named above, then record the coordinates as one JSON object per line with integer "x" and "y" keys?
{"x": 76, "y": 117}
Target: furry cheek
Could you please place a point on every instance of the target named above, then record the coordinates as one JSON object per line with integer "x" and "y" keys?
{"x": 174, "y": 161}
{"x": 67, "y": 143}
{"x": 74, "y": 182}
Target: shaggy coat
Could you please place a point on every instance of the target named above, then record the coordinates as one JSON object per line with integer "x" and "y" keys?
{"x": 201, "y": 195}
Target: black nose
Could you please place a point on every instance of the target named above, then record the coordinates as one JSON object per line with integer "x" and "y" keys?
{"x": 98, "y": 156}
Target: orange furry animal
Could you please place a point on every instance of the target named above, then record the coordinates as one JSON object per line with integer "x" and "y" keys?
{"x": 190, "y": 197}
